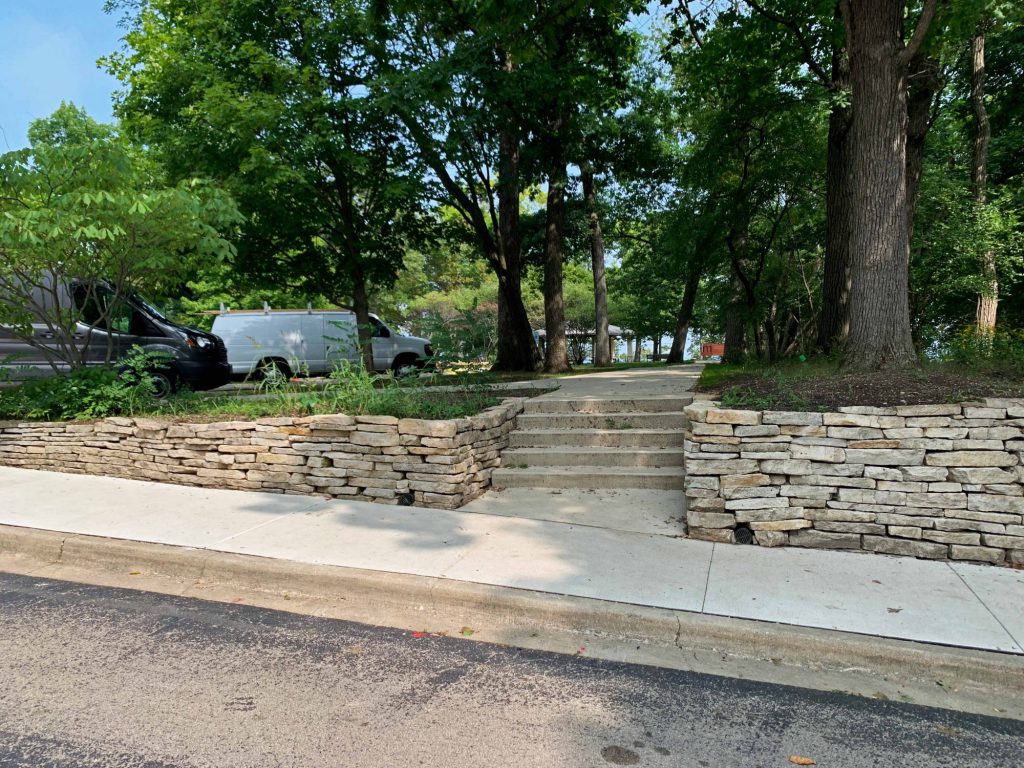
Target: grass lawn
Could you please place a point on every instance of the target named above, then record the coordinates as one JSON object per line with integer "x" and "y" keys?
{"x": 820, "y": 385}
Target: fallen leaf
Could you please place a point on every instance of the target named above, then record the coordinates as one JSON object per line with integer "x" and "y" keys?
{"x": 894, "y": 610}
{"x": 420, "y": 634}
{"x": 134, "y": 573}
{"x": 880, "y": 696}
{"x": 875, "y": 581}
{"x": 800, "y": 760}
{"x": 238, "y": 600}
{"x": 466, "y": 632}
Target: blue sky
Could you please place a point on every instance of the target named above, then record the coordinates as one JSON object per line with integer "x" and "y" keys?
{"x": 48, "y": 53}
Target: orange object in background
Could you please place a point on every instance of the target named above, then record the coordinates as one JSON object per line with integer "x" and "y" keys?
{"x": 712, "y": 350}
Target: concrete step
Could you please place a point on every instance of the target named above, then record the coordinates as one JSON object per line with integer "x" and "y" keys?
{"x": 589, "y": 477}
{"x": 615, "y": 420}
{"x": 549, "y": 404}
{"x": 569, "y": 439}
{"x": 594, "y": 457}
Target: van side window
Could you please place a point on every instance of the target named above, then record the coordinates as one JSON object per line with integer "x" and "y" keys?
{"x": 99, "y": 307}
{"x": 380, "y": 331}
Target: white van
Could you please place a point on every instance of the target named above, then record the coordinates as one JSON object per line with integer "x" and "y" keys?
{"x": 285, "y": 342}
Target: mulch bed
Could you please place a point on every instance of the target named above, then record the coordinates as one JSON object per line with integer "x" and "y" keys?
{"x": 889, "y": 388}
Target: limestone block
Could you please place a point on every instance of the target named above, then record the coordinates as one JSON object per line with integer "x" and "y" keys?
{"x": 761, "y": 430}
{"x": 952, "y": 537}
{"x": 1003, "y": 542}
{"x": 379, "y": 439}
{"x": 1008, "y": 489}
{"x": 708, "y": 505}
{"x": 792, "y": 418}
{"x": 984, "y": 413}
{"x": 824, "y": 539}
{"x": 761, "y": 503}
{"x": 698, "y": 519}
{"x": 927, "y": 549}
{"x": 905, "y": 531}
{"x": 720, "y": 430}
{"x": 723, "y": 467}
{"x": 986, "y": 517}
{"x": 727, "y": 416}
{"x": 929, "y": 410}
{"x": 937, "y": 500}
{"x": 838, "y": 526}
{"x": 856, "y": 433}
{"x": 996, "y": 503}
{"x": 961, "y": 524}
{"x": 808, "y": 491}
{"x": 717, "y": 535}
{"x": 761, "y": 492}
{"x": 282, "y": 458}
{"x": 862, "y": 420}
{"x": 769, "y": 515}
{"x": 795, "y": 430}
{"x": 695, "y": 481}
{"x": 833, "y": 481}
{"x": 981, "y": 475}
{"x": 908, "y": 487}
{"x": 780, "y": 525}
{"x": 972, "y": 459}
{"x": 818, "y": 453}
{"x": 885, "y": 457}
{"x": 904, "y": 433}
{"x": 771, "y": 538}
{"x": 983, "y": 554}
{"x": 866, "y": 496}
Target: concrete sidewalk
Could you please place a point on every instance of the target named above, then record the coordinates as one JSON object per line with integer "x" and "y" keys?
{"x": 951, "y": 604}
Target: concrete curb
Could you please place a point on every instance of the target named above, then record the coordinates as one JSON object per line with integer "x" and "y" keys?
{"x": 660, "y": 636}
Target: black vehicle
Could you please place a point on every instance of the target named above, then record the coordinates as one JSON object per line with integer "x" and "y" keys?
{"x": 193, "y": 357}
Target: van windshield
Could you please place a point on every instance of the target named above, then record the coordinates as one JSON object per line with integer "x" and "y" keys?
{"x": 149, "y": 308}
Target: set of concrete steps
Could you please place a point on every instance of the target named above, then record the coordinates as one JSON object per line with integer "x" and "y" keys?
{"x": 596, "y": 443}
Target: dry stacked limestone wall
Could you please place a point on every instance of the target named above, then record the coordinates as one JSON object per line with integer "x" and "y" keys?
{"x": 934, "y": 481}
{"x": 380, "y": 458}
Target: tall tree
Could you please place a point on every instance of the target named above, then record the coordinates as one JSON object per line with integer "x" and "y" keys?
{"x": 272, "y": 100}
{"x": 602, "y": 343}
{"x": 988, "y": 299}
{"x": 880, "y": 334}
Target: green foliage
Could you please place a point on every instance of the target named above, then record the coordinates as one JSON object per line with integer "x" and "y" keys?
{"x": 89, "y": 392}
{"x": 998, "y": 354}
{"x": 81, "y": 205}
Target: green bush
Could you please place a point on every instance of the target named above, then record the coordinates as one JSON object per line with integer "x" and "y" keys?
{"x": 1001, "y": 353}
{"x": 87, "y": 393}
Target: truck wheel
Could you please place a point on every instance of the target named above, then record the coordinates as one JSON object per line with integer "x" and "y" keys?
{"x": 165, "y": 382}
{"x": 404, "y": 366}
{"x": 274, "y": 371}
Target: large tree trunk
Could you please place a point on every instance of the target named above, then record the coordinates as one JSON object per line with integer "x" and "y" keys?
{"x": 678, "y": 350}
{"x": 735, "y": 327}
{"x": 833, "y": 322}
{"x": 361, "y": 305}
{"x": 988, "y": 300}
{"x": 556, "y": 359}
{"x": 879, "y": 240}
{"x": 516, "y": 348}
{"x": 602, "y": 347}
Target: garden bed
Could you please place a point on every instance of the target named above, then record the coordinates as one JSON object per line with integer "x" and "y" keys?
{"x": 822, "y": 387}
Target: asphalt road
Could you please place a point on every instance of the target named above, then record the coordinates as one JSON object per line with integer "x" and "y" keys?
{"x": 92, "y": 676}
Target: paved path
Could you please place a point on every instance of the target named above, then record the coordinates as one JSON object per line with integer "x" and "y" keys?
{"x": 954, "y": 604}
{"x": 111, "y": 678}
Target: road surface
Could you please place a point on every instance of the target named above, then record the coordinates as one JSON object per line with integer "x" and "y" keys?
{"x": 92, "y": 676}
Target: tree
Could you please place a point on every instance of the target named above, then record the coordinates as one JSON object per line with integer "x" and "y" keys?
{"x": 273, "y": 100}
{"x": 80, "y": 208}
{"x": 879, "y": 238}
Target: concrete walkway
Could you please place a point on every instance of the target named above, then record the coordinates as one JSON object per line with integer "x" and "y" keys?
{"x": 952, "y": 604}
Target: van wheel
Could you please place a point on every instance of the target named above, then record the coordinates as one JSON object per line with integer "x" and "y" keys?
{"x": 404, "y": 366}
{"x": 165, "y": 383}
{"x": 274, "y": 371}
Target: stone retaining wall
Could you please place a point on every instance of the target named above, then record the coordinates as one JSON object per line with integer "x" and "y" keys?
{"x": 933, "y": 481}
{"x": 375, "y": 458}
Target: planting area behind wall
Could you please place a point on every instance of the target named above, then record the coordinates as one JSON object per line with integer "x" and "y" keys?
{"x": 932, "y": 481}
